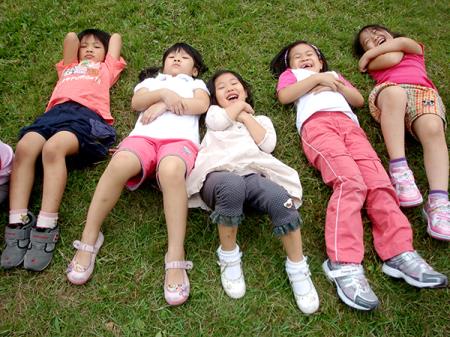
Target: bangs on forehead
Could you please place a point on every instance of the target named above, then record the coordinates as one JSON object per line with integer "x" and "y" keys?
{"x": 176, "y": 49}
{"x": 96, "y": 39}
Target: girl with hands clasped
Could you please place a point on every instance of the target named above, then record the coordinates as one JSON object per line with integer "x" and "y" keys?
{"x": 404, "y": 96}
{"x": 234, "y": 170}
{"x": 162, "y": 145}
{"x": 334, "y": 143}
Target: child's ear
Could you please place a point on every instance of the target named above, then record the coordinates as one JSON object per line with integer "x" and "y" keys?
{"x": 195, "y": 72}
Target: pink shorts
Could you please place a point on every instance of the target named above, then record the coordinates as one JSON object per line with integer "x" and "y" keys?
{"x": 151, "y": 151}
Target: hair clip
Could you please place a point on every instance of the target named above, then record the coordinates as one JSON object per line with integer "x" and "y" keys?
{"x": 286, "y": 58}
{"x": 317, "y": 51}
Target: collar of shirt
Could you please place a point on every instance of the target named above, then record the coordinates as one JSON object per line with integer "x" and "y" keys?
{"x": 165, "y": 77}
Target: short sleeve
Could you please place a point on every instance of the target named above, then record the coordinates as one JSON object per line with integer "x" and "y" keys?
{"x": 60, "y": 67}
{"x": 149, "y": 84}
{"x": 199, "y": 84}
{"x": 115, "y": 67}
{"x": 286, "y": 79}
{"x": 346, "y": 82}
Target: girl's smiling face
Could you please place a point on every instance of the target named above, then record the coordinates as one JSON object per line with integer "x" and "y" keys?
{"x": 229, "y": 90}
{"x": 373, "y": 37}
{"x": 303, "y": 56}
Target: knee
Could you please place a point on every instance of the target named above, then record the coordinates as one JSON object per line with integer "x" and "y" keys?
{"x": 354, "y": 186}
{"x": 282, "y": 202}
{"x": 118, "y": 162}
{"x": 231, "y": 188}
{"x": 51, "y": 152}
{"x": 429, "y": 128}
{"x": 171, "y": 170}
{"x": 25, "y": 151}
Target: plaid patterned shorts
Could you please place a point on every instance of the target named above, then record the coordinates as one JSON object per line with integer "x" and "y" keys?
{"x": 420, "y": 101}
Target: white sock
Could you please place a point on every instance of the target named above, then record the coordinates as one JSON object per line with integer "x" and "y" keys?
{"x": 47, "y": 220}
{"x": 295, "y": 271}
{"x": 232, "y": 272}
{"x": 18, "y": 216}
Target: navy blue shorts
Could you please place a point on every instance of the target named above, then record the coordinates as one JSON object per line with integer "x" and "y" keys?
{"x": 94, "y": 135}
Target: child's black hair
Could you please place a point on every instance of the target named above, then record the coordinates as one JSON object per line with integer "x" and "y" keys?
{"x": 212, "y": 86}
{"x": 98, "y": 34}
{"x": 358, "y": 49}
{"x": 281, "y": 61}
{"x": 199, "y": 64}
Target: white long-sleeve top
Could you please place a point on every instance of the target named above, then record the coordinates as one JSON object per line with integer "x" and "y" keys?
{"x": 228, "y": 146}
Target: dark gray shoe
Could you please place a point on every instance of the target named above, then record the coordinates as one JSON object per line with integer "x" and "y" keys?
{"x": 17, "y": 240}
{"x": 41, "y": 248}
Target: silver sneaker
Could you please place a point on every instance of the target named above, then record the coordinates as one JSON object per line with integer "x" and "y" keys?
{"x": 411, "y": 267}
{"x": 352, "y": 286}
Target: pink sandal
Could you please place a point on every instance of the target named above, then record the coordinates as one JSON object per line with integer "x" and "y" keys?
{"x": 176, "y": 294}
{"x": 78, "y": 274}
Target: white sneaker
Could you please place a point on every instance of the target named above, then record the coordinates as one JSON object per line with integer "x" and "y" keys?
{"x": 307, "y": 299}
{"x": 235, "y": 288}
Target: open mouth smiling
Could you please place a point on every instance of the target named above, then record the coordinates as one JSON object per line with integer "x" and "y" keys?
{"x": 232, "y": 97}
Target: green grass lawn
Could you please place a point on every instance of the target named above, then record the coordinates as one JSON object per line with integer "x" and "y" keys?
{"x": 125, "y": 296}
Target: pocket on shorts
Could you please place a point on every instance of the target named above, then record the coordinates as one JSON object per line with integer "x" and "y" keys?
{"x": 103, "y": 132}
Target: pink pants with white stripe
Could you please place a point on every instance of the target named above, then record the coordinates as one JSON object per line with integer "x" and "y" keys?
{"x": 339, "y": 149}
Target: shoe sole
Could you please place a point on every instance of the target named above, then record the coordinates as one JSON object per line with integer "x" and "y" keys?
{"x": 234, "y": 295}
{"x": 13, "y": 266}
{"x": 407, "y": 204}
{"x": 340, "y": 293}
{"x": 400, "y": 275}
{"x": 80, "y": 282}
{"x": 31, "y": 268}
{"x": 432, "y": 233}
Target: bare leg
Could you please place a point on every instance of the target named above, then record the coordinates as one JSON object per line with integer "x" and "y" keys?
{"x": 121, "y": 168}
{"x": 292, "y": 243}
{"x": 430, "y": 131}
{"x": 54, "y": 153}
{"x": 227, "y": 236}
{"x": 392, "y": 103}
{"x": 171, "y": 175}
{"x": 22, "y": 175}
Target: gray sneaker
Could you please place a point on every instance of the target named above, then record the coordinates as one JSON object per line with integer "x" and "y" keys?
{"x": 352, "y": 286}
{"x": 17, "y": 239}
{"x": 411, "y": 267}
{"x": 41, "y": 248}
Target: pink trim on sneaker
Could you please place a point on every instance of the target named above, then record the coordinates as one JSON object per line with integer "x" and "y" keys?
{"x": 437, "y": 215}
{"x": 406, "y": 189}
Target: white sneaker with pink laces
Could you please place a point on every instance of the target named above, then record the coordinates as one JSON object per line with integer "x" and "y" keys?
{"x": 405, "y": 187}
{"x": 437, "y": 214}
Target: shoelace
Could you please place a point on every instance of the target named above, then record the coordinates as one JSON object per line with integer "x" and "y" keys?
{"x": 413, "y": 261}
{"x": 359, "y": 282}
{"x": 404, "y": 180}
{"x": 441, "y": 210}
